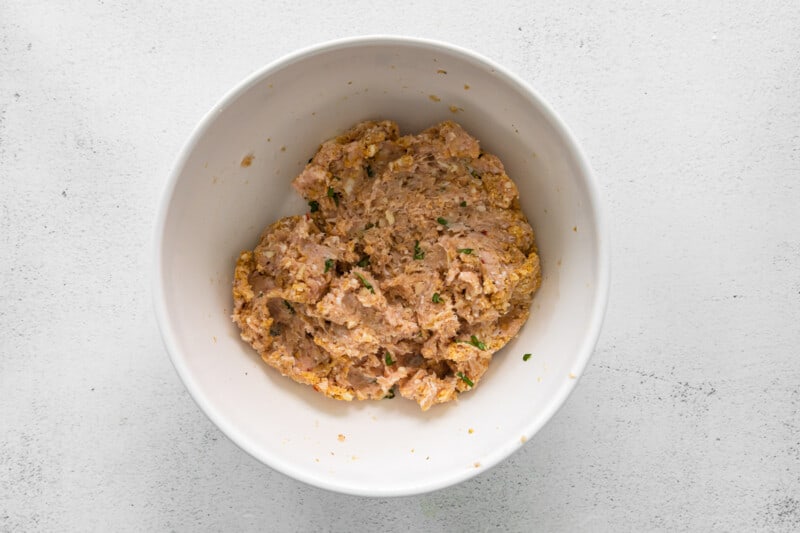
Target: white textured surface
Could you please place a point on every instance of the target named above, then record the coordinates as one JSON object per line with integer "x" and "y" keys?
{"x": 688, "y": 417}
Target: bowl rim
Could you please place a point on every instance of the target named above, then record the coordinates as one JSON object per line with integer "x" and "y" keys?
{"x": 585, "y": 351}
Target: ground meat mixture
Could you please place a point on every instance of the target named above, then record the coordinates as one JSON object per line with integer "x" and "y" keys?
{"x": 412, "y": 267}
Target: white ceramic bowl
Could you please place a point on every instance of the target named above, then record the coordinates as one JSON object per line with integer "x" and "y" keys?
{"x": 213, "y": 207}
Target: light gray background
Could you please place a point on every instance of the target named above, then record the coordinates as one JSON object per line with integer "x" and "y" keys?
{"x": 687, "y": 417}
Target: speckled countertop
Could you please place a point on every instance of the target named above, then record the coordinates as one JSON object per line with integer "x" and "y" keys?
{"x": 688, "y": 417}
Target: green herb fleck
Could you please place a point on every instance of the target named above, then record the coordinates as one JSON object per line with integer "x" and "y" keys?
{"x": 436, "y": 298}
{"x": 463, "y": 203}
{"x": 365, "y": 283}
{"x": 288, "y": 306}
{"x": 389, "y": 395}
{"x": 474, "y": 173}
{"x": 335, "y": 195}
{"x": 526, "y": 357}
{"x": 388, "y": 358}
{"x": 310, "y": 159}
{"x": 328, "y": 265}
{"x": 314, "y": 205}
{"x": 370, "y": 172}
{"x": 465, "y": 379}
{"x": 419, "y": 254}
{"x": 364, "y": 263}
{"x": 474, "y": 342}
{"x": 442, "y": 221}
{"x": 467, "y": 251}
{"x": 369, "y": 225}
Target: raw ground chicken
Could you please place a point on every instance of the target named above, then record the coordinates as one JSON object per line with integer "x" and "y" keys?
{"x": 412, "y": 267}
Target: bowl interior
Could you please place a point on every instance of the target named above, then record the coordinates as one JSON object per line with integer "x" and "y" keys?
{"x": 216, "y": 207}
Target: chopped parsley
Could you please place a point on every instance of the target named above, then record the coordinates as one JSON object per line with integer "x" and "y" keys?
{"x": 370, "y": 172}
{"x": 365, "y": 283}
{"x": 335, "y": 195}
{"x": 436, "y": 298}
{"x": 474, "y": 342}
{"x": 463, "y": 203}
{"x": 467, "y": 251}
{"x": 364, "y": 263}
{"x": 526, "y": 357}
{"x": 288, "y": 306}
{"x": 474, "y": 173}
{"x": 389, "y": 394}
{"x": 369, "y": 225}
{"x": 442, "y": 221}
{"x": 388, "y": 358}
{"x": 328, "y": 265}
{"x": 314, "y": 205}
{"x": 310, "y": 159}
{"x": 419, "y": 254}
{"x": 465, "y": 379}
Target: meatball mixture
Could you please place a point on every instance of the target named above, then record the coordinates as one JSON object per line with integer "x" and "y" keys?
{"x": 413, "y": 265}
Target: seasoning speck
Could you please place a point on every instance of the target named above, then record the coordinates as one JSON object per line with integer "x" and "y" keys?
{"x": 247, "y": 160}
{"x": 465, "y": 379}
{"x": 419, "y": 254}
{"x": 441, "y": 71}
{"x": 434, "y": 98}
{"x": 340, "y": 438}
{"x": 335, "y": 195}
{"x": 471, "y": 431}
{"x": 474, "y": 342}
{"x": 365, "y": 283}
